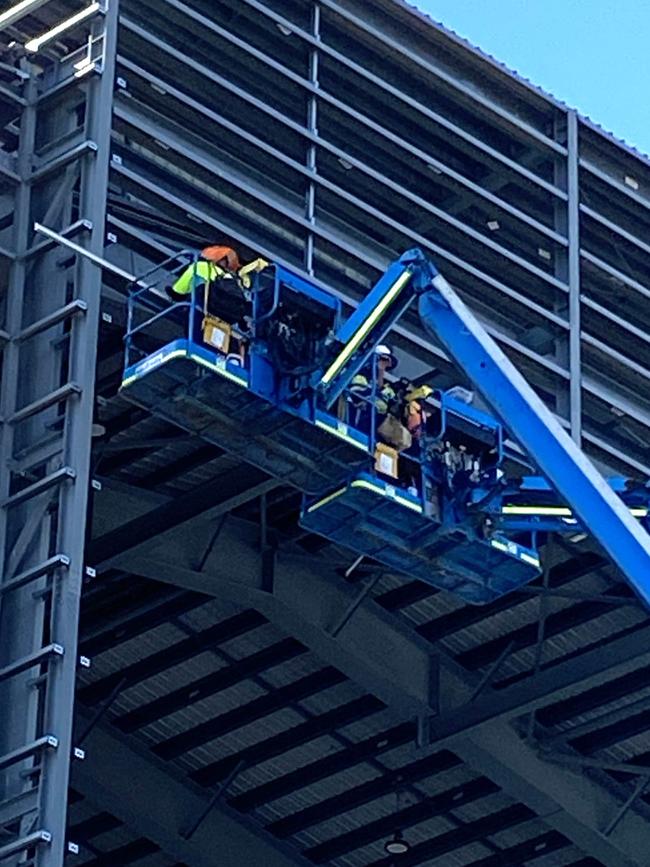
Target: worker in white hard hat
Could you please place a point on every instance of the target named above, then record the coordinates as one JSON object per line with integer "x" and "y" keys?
{"x": 361, "y": 390}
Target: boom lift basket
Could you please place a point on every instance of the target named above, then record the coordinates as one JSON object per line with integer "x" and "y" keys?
{"x": 376, "y": 519}
{"x": 198, "y": 388}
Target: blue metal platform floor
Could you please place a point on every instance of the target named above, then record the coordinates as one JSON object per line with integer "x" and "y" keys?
{"x": 201, "y": 392}
{"x": 388, "y": 524}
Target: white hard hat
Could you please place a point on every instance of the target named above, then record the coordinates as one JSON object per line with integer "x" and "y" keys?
{"x": 384, "y": 351}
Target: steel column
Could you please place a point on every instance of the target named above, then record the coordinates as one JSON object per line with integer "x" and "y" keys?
{"x": 48, "y": 417}
{"x": 21, "y": 617}
{"x": 72, "y": 518}
{"x": 573, "y": 232}
{"x": 312, "y": 121}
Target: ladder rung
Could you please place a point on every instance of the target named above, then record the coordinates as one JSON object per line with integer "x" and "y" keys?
{"x": 71, "y": 309}
{"x": 33, "y": 839}
{"x": 4, "y": 337}
{"x": 30, "y": 661}
{"x": 15, "y": 808}
{"x": 59, "y": 561}
{"x": 68, "y": 232}
{"x": 65, "y": 474}
{"x": 36, "y": 454}
{"x": 62, "y": 159}
{"x": 66, "y": 391}
{"x": 46, "y": 742}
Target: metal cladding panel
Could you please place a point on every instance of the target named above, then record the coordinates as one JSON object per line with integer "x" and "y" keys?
{"x": 408, "y": 63}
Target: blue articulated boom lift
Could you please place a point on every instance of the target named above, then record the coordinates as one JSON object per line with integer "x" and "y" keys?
{"x": 437, "y": 505}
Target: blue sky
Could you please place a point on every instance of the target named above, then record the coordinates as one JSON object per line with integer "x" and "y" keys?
{"x": 592, "y": 54}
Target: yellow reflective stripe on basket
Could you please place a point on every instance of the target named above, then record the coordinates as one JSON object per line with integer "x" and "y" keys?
{"x": 362, "y": 483}
{"x": 221, "y": 370}
{"x": 330, "y": 428}
{"x": 560, "y": 511}
{"x": 326, "y": 500}
{"x": 176, "y": 353}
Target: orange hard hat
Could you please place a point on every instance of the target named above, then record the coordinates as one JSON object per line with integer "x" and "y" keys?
{"x": 216, "y": 254}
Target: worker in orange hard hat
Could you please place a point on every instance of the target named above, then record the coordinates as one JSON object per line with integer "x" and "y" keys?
{"x": 226, "y": 257}
{"x": 221, "y": 284}
{"x": 215, "y": 263}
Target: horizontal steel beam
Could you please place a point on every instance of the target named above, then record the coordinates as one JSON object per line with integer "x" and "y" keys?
{"x": 132, "y": 785}
{"x": 577, "y": 761}
{"x": 26, "y": 662}
{"x": 391, "y": 662}
{"x": 19, "y": 10}
{"x": 87, "y": 254}
{"x": 23, "y": 844}
{"x": 74, "y": 308}
{"x": 63, "y": 159}
{"x": 611, "y": 271}
{"x": 514, "y": 123}
{"x": 614, "y": 182}
{"x": 615, "y": 229}
{"x": 18, "y": 807}
{"x": 213, "y": 498}
{"x": 70, "y": 389}
{"x": 376, "y": 128}
{"x": 46, "y": 742}
{"x": 601, "y": 721}
{"x": 578, "y": 674}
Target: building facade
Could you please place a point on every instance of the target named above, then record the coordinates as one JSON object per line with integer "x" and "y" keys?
{"x": 328, "y": 136}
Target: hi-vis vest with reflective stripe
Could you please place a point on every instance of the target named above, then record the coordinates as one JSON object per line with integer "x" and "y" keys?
{"x": 204, "y": 271}
{"x": 197, "y": 274}
{"x": 361, "y": 385}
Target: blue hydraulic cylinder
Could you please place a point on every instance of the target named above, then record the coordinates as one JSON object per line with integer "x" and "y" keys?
{"x": 370, "y": 322}
{"x": 600, "y": 511}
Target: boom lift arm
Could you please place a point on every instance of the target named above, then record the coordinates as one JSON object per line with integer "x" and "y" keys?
{"x": 371, "y": 321}
{"x": 600, "y": 511}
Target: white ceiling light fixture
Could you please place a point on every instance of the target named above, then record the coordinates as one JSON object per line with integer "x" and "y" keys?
{"x": 345, "y": 164}
{"x": 38, "y": 42}
{"x": 18, "y": 11}
{"x": 493, "y": 225}
{"x": 284, "y": 30}
{"x": 397, "y": 845}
